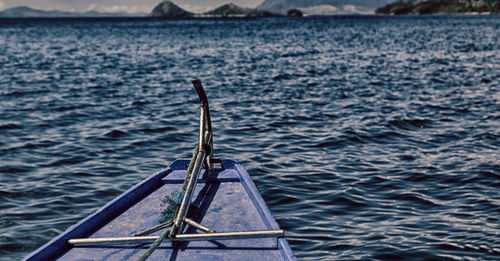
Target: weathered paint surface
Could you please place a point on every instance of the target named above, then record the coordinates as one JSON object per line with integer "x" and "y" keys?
{"x": 226, "y": 200}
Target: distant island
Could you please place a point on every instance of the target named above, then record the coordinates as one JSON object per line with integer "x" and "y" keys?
{"x": 273, "y": 8}
{"x": 231, "y": 9}
{"x": 440, "y": 7}
{"x": 168, "y": 9}
{"x": 24, "y": 11}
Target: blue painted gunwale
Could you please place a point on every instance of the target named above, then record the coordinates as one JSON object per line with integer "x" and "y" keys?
{"x": 57, "y": 247}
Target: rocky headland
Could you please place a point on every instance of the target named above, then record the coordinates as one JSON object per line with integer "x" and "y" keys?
{"x": 415, "y": 7}
{"x": 232, "y": 10}
{"x": 295, "y": 12}
{"x": 167, "y": 9}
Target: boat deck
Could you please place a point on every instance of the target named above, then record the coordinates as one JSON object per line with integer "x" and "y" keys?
{"x": 225, "y": 200}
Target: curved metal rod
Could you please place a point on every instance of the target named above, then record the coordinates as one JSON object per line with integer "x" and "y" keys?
{"x": 204, "y": 154}
{"x": 203, "y": 101}
{"x": 206, "y": 135}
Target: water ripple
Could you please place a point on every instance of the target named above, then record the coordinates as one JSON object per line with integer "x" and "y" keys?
{"x": 369, "y": 137}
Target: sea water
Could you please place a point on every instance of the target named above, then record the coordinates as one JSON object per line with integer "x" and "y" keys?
{"x": 369, "y": 137}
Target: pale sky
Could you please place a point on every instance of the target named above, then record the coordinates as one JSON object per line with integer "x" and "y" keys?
{"x": 130, "y": 6}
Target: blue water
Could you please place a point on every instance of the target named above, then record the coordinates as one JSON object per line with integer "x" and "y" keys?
{"x": 369, "y": 137}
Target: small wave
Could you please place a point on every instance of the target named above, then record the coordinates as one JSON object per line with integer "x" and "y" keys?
{"x": 280, "y": 124}
{"x": 393, "y": 254}
{"x": 157, "y": 130}
{"x": 340, "y": 201}
{"x": 339, "y": 247}
{"x": 10, "y": 126}
{"x": 437, "y": 80}
{"x": 440, "y": 61}
{"x": 411, "y": 124}
{"x": 36, "y": 192}
{"x": 26, "y": 93}
{"x": 455, "y": 247}
{"x": 418, "y": 177}
{"x": 407, "y": 158}
{"x": 414, "y": 199}
{"x": 139, "y": 103}
{"x": 298, "y": 54}
{"x": 41, "y": 144}
{"x": 14, "y": 169}
{"x": 282, "y": 77}
{"x": 69, "y": 161}
{"x": 66, "y": 108}
{"x": 485, "y": 80}
{"x": 330, "y": 143}
{"x": 448, "y": 137}
{"x": 114, "y": 134}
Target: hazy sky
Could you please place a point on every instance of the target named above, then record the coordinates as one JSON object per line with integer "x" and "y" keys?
{"x": 122, "y": 5}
